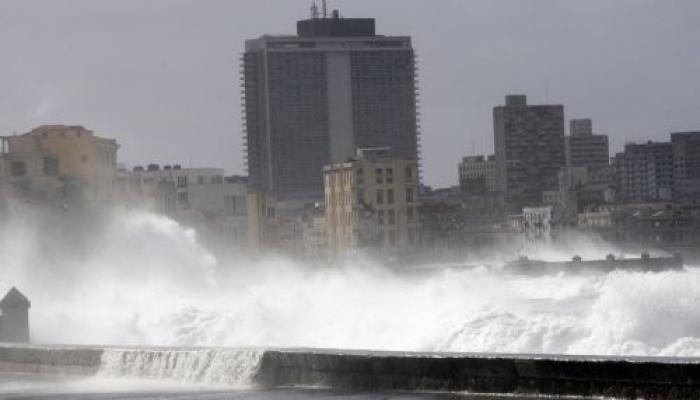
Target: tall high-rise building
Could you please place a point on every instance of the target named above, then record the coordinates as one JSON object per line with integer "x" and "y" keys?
{"x": 529, "y": 144}
{"x": 645, "y": 172}
{"x": 686, "y": 165}
{"x": 314, "y": 98}
{"x": 583, "y": 148}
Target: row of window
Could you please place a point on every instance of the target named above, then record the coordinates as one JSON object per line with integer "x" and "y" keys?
{"x": 388, "y": 238}
{"x": 380, "y": 198}
{"x": 19, "y": 168}
{"x": 216, "y": 180}
{"x": 391, "y": 216}
{"x": 383, "y": 175}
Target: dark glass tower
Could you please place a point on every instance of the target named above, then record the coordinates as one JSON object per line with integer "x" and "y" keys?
{"x": 314, "y": 98}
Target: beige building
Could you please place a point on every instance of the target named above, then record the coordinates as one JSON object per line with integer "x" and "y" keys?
{"x": 372, "y": 204}
{"x": 59, "y": 162}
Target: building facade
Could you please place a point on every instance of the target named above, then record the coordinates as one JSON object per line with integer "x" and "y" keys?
{"x": 686, "y": 166}
{"x": 199, "y": 197}
{"x": 314, "y": 98}
{"x": 529, "y": 144}
{"x": 477, "y": 175}
{"x": 372, "y": 204}
{"x": 60, "y": 164}
{"x": 645, "y": 172}
{"x": 583, "y": 148}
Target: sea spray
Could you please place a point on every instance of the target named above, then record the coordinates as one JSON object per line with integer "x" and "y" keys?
{"x": 144, "y": 279}
{"x": 225, "y": 367}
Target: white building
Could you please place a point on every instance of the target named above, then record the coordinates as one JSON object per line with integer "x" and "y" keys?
{"x": 199, "y": 197}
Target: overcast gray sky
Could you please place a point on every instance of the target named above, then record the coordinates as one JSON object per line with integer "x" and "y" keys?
{"x": 161, "y": 76}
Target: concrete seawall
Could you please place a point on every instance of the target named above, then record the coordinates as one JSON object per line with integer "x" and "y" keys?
{"x": 575, "y": 376}
{"x": 640, "y": 378}
{"x": 50, "y": 359}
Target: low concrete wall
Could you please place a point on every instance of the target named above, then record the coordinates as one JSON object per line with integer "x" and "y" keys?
{"x": 639, "y": 378}
{"x": 50, "y": 360}
{"x": 586, "y": 377}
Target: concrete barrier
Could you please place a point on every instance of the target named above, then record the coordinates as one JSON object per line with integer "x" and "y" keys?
{"x": 572, "y": 376}
{"x": 638, "y": 378}
{"x": 50, "y": 359}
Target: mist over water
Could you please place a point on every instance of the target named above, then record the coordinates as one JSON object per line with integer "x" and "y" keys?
{"x": 139, "y": 278}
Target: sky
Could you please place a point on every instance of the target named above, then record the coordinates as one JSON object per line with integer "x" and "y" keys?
{"x": 162, "y": 76}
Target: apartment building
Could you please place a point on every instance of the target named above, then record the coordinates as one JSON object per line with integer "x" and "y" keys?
{"x": 372, "y": 204}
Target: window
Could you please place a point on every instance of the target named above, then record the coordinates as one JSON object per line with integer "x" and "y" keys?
{"x": 409, "y": 173}
{"x": 409, "y": 195}
{"x": 200, "y": 180}
{"x": 360, "y": 196}
{"x": 380, "y": 217}
{"x": 392, "y": 238}
{"x": 389, "y": 175}
{"x": 18, "y": 168}
{"x": 360, "y": 176}
{"x": 391, "y": 216}
{"x": 378, "y": 173}
{"x": 217, "y": 179}
{"x": 181, "y": 181}
{"x": 410, "y": 214}
{"x": 230, "y": 205}
{"x": 84, "y": 158}
{"x": 50, "y": 166}
{"x": 183, "y": 199}
{"x": 390, "y": 196}
{"x": 380, "y": 197}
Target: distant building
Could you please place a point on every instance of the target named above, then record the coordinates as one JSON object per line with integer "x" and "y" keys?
{"x": 645, "y": 172}
{"x": 200, "y": 197}
{"x": 372, "y": 204}
{"x": 14, "y": 317}
{"x": 583, "y": 148}
{"x": 529, "y": 143}
{"x": 277, "y": 226}
{"x": 477, "y": 175}
{"x": 537, "y": 222}
{"x": 315, "y": 237}
{"x": 312, "y": 99}
{"x": 686, "y": 166}
{"x": 60, "y": 164}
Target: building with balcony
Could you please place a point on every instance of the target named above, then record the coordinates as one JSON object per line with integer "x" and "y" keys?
{"x": 313, "y": 98}
{"x": 529, "y": 148}
{"x": 66, "y": 165}
{"x": 372, "y": 204}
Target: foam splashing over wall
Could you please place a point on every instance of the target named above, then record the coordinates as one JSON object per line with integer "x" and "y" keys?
{"x": 218, "y": 367}
{"x": 141, "y": 278}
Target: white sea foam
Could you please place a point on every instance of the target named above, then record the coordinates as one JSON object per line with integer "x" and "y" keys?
{"x": 211, "y": 367}
{"x": 144, "y": 279}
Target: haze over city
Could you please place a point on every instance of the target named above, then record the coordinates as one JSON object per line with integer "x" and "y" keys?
{"x": 362, "y": 200}
{"x": 162, "y": 76}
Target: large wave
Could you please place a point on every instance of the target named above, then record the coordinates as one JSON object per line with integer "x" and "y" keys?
{"x": 140, "y": 278}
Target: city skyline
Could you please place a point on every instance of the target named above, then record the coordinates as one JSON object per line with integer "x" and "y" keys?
{"x": 152, "y": 74}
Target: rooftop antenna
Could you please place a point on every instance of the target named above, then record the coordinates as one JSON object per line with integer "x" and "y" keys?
{"x": 314, "y": 10}
{"x": 325, "y": 10}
